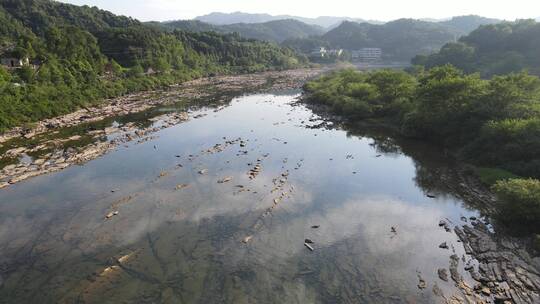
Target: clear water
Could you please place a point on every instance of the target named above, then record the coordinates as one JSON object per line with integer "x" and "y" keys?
{"x": 211, "y": 242}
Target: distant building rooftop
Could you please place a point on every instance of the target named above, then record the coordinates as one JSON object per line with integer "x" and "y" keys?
{"x": 367, "y": 54}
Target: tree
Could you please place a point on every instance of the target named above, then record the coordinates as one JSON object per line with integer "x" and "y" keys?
{"x": 445, "y": 97}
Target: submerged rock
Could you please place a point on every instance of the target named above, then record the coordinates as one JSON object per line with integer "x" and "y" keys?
{"x": 421, "y": 283}
{"x": 225, "y": 180}
{"x": 443, "y": 245}
{"x": 443, "y": 274}
{"x": 111, "y": 214}
{"x": 181, "y": 186}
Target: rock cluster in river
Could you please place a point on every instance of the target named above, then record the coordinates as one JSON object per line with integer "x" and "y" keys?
{"x": 62, "y": 158}
{"x": 502, "y": 274}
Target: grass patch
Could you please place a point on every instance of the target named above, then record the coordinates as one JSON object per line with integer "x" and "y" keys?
{"x": 490, "y": 176}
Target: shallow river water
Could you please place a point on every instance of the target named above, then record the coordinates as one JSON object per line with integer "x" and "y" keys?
{"x": 193, "y": 224}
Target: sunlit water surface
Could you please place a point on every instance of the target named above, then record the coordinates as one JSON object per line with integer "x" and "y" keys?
{"x": 211, "y": 242}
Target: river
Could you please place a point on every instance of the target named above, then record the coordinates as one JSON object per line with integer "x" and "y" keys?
{"x": 217, "y": 209}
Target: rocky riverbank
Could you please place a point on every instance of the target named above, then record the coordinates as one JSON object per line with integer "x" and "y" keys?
{"x": 56, "y": 154}
{"x": 139, "y": 102}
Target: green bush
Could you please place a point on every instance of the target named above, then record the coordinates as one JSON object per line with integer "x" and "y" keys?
{"x": 519, "y": 201}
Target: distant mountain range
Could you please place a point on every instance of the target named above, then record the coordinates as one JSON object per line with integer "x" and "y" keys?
{"x": 239, "y": 17}
{"x": 293, "y": 29}
{"x": 463, "y": 24}
{"x": 275, "y": 31}
{"x": 400, "y": 39}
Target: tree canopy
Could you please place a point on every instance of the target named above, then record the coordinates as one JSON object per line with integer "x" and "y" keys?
{"x": 494, "y": 49}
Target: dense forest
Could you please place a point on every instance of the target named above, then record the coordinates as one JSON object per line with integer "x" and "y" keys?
{"x": 492, "y": 50}
{"x": 80, "y": 55}
{"x": 274, "y": 31}
{"x": 494, "y": 124}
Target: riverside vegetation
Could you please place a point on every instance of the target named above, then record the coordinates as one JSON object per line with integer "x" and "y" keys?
{"x": 491, "y": 123}
{"x": 80, "y": 55}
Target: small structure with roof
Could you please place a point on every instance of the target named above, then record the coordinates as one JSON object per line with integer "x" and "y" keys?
{"x": 14, "y": 62}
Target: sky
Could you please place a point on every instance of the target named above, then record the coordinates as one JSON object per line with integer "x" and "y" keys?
{"x": 383, "y": 10}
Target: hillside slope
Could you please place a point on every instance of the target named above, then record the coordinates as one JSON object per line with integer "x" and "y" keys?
{"x": 463, "y": 25}
{"x": 275, "y": 31}
{"x": 492, "y": 49}
{"x": 400, "y": 40}
{"x": 80, "y": 55}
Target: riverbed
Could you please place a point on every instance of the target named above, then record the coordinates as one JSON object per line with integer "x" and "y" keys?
{"x": 257, "y": 200}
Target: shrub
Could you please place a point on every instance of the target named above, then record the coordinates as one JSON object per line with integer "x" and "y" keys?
{"x": 519, "y": 201}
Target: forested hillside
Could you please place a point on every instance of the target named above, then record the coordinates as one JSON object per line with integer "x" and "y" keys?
{"x": 463, "y": 25}
{"x": 80, "y": 55}
{"x": 275, "y": 31}
{"x": 400, "y": 40}
{"x": 492, "y": 50}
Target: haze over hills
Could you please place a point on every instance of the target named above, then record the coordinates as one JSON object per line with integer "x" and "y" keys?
{"x": 239, "y": 17}
{"x": 464, "y": 24}
{"x": 275, "y": 31}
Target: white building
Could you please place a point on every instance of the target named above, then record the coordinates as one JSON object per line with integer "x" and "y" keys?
{"x": 367, "y": 55}
{"x": 335, "y": 53}
{"x": 319, "y": 52}
{"x": 13, "y": 63}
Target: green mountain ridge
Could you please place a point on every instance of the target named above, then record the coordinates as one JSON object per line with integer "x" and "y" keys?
{"x": 463, "y": 25}
{"x": 217, "y": 18}
{"x": 492, "y": 50}
{"x": 275, "y": 31}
